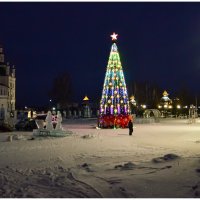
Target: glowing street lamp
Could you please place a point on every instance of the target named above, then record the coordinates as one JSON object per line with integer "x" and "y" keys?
{"x": 165, "y": 106}
{"x": 178, "y": 106}
{"x": 143, "y": 106}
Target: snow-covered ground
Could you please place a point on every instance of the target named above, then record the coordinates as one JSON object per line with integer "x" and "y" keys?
{"x": 104, "y": 162}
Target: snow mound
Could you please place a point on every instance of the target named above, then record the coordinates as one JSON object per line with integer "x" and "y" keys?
{"x": 19, "y": 137}
{"x": 88, "y": 136}
{"x": 53, "y": 133}
{"x": 198, "y": 170}
{"x": 126, "y": 166}
{"x": 196, "y": 190}
{"x": 86, "y": 167}
{"x": 167, "y": 157}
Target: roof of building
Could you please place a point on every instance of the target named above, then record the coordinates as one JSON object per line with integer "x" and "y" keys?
{"x": 165, "y": 93}
{"x": 85, "y": 98}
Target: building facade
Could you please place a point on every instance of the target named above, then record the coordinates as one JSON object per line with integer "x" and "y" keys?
{"x": 7, "y": 88}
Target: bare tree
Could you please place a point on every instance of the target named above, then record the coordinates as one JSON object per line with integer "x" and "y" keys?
{"x": 61, "y": 91}
{"x": 146, "y": 93}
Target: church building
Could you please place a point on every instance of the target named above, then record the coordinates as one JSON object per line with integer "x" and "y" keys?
{"x": 7, "y": 88}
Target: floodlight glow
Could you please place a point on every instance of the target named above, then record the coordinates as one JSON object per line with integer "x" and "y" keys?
{"x": 178, "y": 106}
{"x": 143, "y": 106}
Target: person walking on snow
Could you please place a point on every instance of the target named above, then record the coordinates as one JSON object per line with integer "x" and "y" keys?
{"x": 130, "y": 126}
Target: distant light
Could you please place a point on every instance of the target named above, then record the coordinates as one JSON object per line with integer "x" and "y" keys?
{"x": 178, "y": 106}
{"x": 159, "y": 106}
{"x": 29, "y": 114}
{"x": 165, "y": 106}
{"x": 170, "y": 106}
{"x": 50, "y": 100}
{"x": 53, "y": 108}
{"x": 25, "y": 107}
{"x": 185, "y": 107}
{"x": 143, "y": 106}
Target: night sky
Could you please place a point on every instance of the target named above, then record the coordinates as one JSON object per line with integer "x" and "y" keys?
{"x": 158, "y": 42}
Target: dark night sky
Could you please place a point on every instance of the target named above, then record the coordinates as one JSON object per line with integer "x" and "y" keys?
{"x": 157, "y": 42}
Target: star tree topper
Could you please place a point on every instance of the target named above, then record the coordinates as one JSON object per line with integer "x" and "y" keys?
{"x": 114, "y": 36}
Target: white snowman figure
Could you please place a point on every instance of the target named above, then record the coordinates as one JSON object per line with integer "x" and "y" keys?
{"x": 59, "y": 120}
{"x": 49, "y": 125}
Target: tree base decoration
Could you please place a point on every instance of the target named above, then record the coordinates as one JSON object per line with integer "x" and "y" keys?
{"x": 114, "y": 121}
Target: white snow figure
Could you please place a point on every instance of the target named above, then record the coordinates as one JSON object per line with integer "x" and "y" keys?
{"x": 49, "y": 125}
{"x": 59, "y": 120}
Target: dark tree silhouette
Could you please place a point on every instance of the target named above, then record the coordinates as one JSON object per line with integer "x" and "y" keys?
{"x": 186, "y": 96}
{"x": 61, "y": 91}
{"x": 146, "y": 93}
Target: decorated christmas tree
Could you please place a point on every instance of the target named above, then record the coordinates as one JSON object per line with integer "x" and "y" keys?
{"x": 114, "y": 105}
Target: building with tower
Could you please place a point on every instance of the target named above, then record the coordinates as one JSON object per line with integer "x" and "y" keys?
{"x": 165, "y": 106}
{"x": 7, "y": 88}
{"x": 86, "y": 107}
